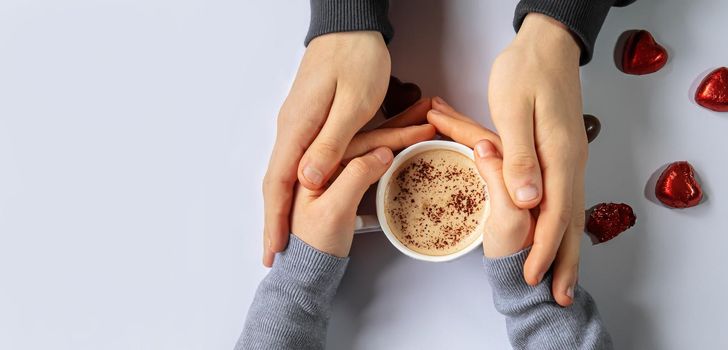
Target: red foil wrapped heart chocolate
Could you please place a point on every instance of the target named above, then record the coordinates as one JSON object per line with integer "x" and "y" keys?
{"x": 677, "y": 186}
{"x": 400, "y": 96}
{"x": 608, "y": 220}
{"x": 641, "y": 54}
{"x": 712, "y": 92}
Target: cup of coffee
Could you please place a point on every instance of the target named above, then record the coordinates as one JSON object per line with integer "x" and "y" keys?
{"x": 432, "y": 202}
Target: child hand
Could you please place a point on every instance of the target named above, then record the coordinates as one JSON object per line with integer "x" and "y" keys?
{"x": 325, "y": 218}
{"x": 508, "y": 229}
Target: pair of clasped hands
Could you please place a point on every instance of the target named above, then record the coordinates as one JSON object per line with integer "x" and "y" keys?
{"x": 534, "y": 170}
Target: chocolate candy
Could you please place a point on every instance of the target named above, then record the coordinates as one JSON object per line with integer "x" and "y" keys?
{"x": 677, "y": 187}
{"x": 712, "y": 92}
{"x": 592, "y": 126}
{"x": 400, "y": 96}
{"x": 608, "y": 220}
{"x": 641, "y": 54}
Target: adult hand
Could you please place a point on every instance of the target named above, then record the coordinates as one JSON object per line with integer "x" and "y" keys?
{"x": 464, "y": 130}
{"x": 535, "y": 103}
{"x": 340, "y": 84}
{"x": 324, "y": 218}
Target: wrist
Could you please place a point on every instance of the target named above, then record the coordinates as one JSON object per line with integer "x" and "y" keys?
{"x": 543, "y": 33}
{"x": 512, "y": 234}
{"x": 344, "y": 47}
{"x": 331, "y": 238}
{"x": 353, "y": 38}
{"x": 337, "y": 245}
{"x": 498, "y": 247}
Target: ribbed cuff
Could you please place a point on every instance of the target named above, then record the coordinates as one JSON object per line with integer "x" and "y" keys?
{"x": 509, "y": 286}
{"x": 583, "y": 17}
{"x": 308, "y": 266}
{"x": 506, "y": 275}
{"x": 332, "y": 16}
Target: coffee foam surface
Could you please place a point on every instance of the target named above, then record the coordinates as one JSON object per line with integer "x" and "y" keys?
{"x": 436, "y": 202}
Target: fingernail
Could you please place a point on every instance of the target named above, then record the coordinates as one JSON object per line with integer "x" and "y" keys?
{"x": 383, "y": 155}
{"x": 526, "y": 193}
{"x": 269, "y": 243}
{"x": 436, "y": 112}
{"x": 439, "y": 100}
{"x": 570, "y": 292}
{"x": 313, "y": 175}
{"x": 482, "y": 150}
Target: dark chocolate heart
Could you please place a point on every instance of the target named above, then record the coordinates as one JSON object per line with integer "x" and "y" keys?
{"x": 400, "y": 96}
{"x": 592, "y": 126}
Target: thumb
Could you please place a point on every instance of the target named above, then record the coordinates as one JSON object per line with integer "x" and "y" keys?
{"x": 348, "y": 189}
{"x": 523, "y": 175}
{"x": 324, "y": 155}
{"x": 322, "y": 158}
{"x": 521, "y": 170}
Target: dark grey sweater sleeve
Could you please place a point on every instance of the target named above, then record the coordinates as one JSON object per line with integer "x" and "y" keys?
{"x": 292, "y": 306}
{"x": 583, "y": 17}
{"x": 533, "y": 319}
{"x": 331, "y": 16}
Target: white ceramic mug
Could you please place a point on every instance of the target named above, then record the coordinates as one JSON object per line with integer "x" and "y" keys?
{"x": 365, "y": 222}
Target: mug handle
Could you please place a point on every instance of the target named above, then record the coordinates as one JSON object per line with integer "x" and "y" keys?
{"x": 366, "y": 224}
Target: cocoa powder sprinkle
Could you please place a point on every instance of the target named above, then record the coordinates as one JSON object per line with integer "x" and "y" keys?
{"x": 435, "y": 202}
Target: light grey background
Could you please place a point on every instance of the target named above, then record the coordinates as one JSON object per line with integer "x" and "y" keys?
{"x": 134, "y": 135}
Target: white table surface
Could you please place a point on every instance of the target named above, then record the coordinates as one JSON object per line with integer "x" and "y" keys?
{"x": 134, "y": 135}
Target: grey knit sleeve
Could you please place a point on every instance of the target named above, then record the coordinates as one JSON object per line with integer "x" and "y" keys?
{"x": 331, "y": 16}
{"x": 583, "y": 17}
{"x": 533, "y": 319}
{"x": 292, "y": 306}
